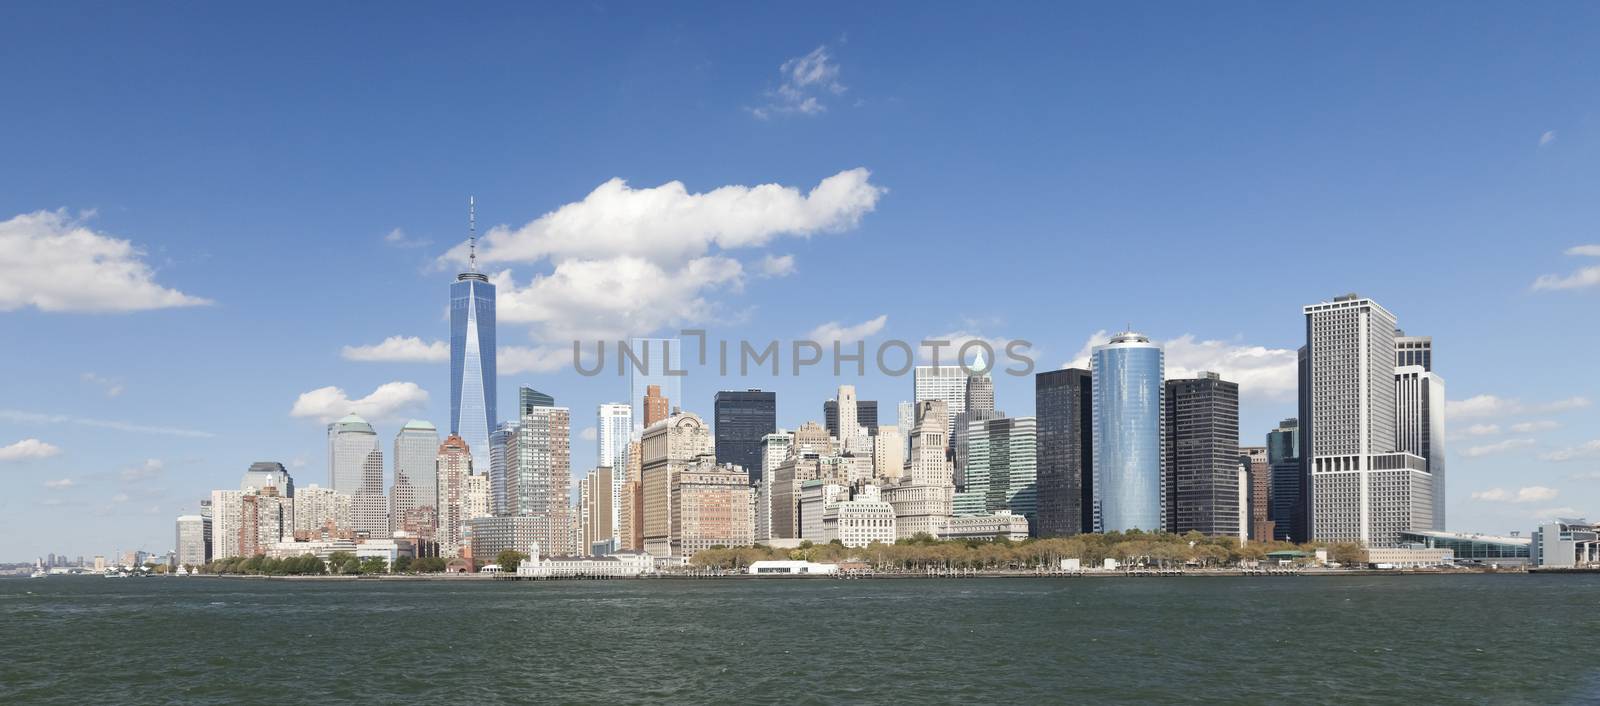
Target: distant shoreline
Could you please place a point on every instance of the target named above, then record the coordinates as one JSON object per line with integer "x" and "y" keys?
{"x": 1313, "y": 573}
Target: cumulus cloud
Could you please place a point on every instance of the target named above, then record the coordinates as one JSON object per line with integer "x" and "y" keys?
{"x": 808, "y": 81}
{"x": 60, "y": 483}
{"x": 390, "y": 400}
{"x": 28, "y": 448}
{"x": 777, "y": 266}
{"x": 1494, "y": 406}
{"x": 1551, "y": 512}
{"x": 1529, "y": 427}
{"x": 398, "y": 239}
{"x": 615, "y": 298}
{"x": 1582, "y": 278}
{"x": 1262, "y": 372}
{"x": 1584, "y": 450}
{"x": 111, "y": 387}
{"x": 1498, "y": 447}
{"x": 1547, "y": 137}
{"x": 40, "y": 418}
{"x": 399, "y": 349}
{"x": 510, "y": 360}
{"x": 1529, "y": 494}
{"x": 55, "y": 263}
{"x": 843, "y": 333}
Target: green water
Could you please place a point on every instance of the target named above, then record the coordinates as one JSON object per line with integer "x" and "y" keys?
{"x": 1419, "y": 640}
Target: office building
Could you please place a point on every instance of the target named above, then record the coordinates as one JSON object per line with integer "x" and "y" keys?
{"x": 614, "y": 428}
{"x": 861, "y": 519}
{"x": 866, "y": 415}
{"x": 741, "y": 419}
{"x": 1202, "y": 456}
{"x": 538, "y": 479}
{"x": 473, "y": 413}
{"x": 1258, "y": 475}
{"x": 922, "y": 503}
{"x": 1000, "y": 525}
{"x": 1127, "y": 489}
{"x": 888, "y": 454}
{"x": 1002, "y": 472}
{"x": 1064, "y": 409}
{"x": 654, "y": 406}
{"x": 492, "y": 535}
{"x": 1565, "y": 543}
{"x": 268, "y": 474}
{"x": 712, "y": 507}
{"x": 599, "y": 535}
{"x": 667, "y": 448}
{"x": 1413, "y": 351}
{"x": 318, "y": 509}
{"x": 1362, "y": 487}
{"x": 658, "y": 363}
{"x": 475, "y": 499}
{"x": 816, "y": 496}
{"x": 528, "y": 398}
{"x": 355, "y": 467}
{"x": 193, "y": 544}
{"x": 1419, "y": 414}
{"x": 414, "y": 496}
{"x": 453, "y": 465}
{"x": 1287, "y": 507}
{"x": 946, "y": 383}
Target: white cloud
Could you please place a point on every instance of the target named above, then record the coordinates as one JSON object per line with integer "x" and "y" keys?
{"x": 39, "y": 418}
{"x": 55, "y": 263}
{"x": 1494, "y": 406}
{"x": 1558, "y": 512}
{"x": 949, "y": 353}
{"x": 1529, "y": 427}
{"x": 119, "y": 498}
{"x": 398, "y": 239}
{"x": 835, "y": 331}
{"x": 1584, "y": 277}
{"x": 1481, "y": 430}
{"x": 1547, "y": 137}
{"x": 28, "y": 448}
{"x": 149, "y": 469}
{"x": 777, "y": 266}
{"x": 400, "y": 349}
{"x": 1529, "y": 494}
{"x": 60, "y": 483}
{"x": 390, "y": 400}
{"x": 588, "y": 434}
{"x": 1588, "y": 448}
{"x": 807, "y": 81}
{"x": 510, "y": 360}
{"x": 615, "y": 298}
{"x": 1084, "y": 357}
{"x": 1260, "y": 371}
{"x": 1498, "y": 447}
{"x": 112, "y": 387}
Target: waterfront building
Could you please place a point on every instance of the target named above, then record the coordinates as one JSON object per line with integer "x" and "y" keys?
{"x": 1287, "y": 508}
{"x": 494, "y": 534}
{"x": 614, "y": 429}
{"x": 1127, "y": 489}
{"x": 538, "y": 480}
{"x": 320, "y": 548}
{"x": 1064, "y": 409}
{"x": 1565, "y": 543}
{"x": 741, "y": 419}
{"x": 711, "y": 506}
{"x": 631, "y": 517}
{"x": 355, "y": 467}
{"x": 860, "y": 520}
{"x": 1470, "y": 548}
{"x": 193, "y": 542}
{"x": 816, "y": 496}
{"x": 317, "y": 509}
{"x": 473, "y": 410}
{"x": 247, "y": 523}
{"x": 268, "y": 474}
{"x": 667, "y": 448}
{"x": 1002, "y": 472}
{"x": 657, "y": 363}
{"x": 1362, "y": 487}
{"x": 614, "y": 565}
{"x": 1419, "y": 414}
{"x": 1408, "y": 557}
{"x": 1003, "y": 524}
{"x": 1259, "y": 479}
{"x": 453, "y": 465}
{"x": 414, "y": 496}
{"x": 946, "y": 383}
{"x": 1202, "y": 456}
{"x": 790, "y": 566}
{"x": 595, "y": 496}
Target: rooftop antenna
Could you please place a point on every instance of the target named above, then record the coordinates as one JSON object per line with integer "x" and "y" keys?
{"x": 472, "y": 237}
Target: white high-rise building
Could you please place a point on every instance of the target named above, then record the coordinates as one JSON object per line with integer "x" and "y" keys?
{"x": 922, "y": 503}
{"x": 315, "y": 507}
{"x": 415, "y": 495}
{"x": 888, "y": 454}
{"x": 947, "y": 383}
{"x": 1363, "y": 488}
{"x": 355, "y": 466}
{"x": 1419, "y": 412}
{"x": 194, "y": 540}
{"x": 614, "y": 430}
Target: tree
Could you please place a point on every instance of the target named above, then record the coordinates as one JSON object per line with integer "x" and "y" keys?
{"x": 374, "y": 565}
{"x": 402, "y": 564}
{"x": 340, "y": 560}
{"x": 1347, "y": 553}
{"x": 509, "y": 559}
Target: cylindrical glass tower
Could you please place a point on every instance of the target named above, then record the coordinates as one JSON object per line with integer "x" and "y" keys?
{"x": 1128, "y": 374}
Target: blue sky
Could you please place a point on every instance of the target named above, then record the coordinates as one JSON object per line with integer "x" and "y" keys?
{"x": 202, "y": 206}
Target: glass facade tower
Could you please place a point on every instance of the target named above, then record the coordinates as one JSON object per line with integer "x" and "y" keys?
{"x": 1127, "y": 447}
{"x": 472, "y": 363}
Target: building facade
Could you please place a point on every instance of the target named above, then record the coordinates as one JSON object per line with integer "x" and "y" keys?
{"x": 1202, "y": 456}
{"x": 741, "y": 418}
{"x": 1064, "y": 409}
{"x": 1002, "y": 472}
{"x": 1287, "y": 508}
{"x": 667, "y": 448}
{"x": 414, "y": 496}
{"x": 712, "y": 507}
{"x": 193, "y": 541}
{"x": 1127, "y": 486}
{"x": 473, "y": 382}
{"x": 1419, "y": 412}
{"x": 1258, "y": 474}
{"x": 355, "y": 467}
{"x": 453, "y": 465}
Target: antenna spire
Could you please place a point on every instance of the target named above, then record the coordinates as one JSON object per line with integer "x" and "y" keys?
{"x": 472, "y": 237}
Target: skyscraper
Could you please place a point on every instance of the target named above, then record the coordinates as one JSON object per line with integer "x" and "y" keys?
{"x": 414, "y": 497}
{"x": 472, "y": 353}
{"x": 1001, "y": 468}
{"x": 1287, "y": 506}
{"x": 193, "y": 545}
{"x": 1064, "y": 406}
{"x": 528, "y": 398}
{"x": 666, "y": 449}
{"x": 1362, "y": 488}
{"x": 740, "y": 420}
{"x": 653, "y": 406}
{"x": 453, "y": 465}
{"x": 1259, "y": 474}
{"x": 539, "y": 474}
{"x": 866, "y": 416}
{"x": 615, "y": 428}
{"x": 656, "y": 362}
{"x": 1128, "y": 372}
{"x": 1419, "y": 412}
{"x": 946, "y": 383}
{"x": 268, "y": 474}
{"x": 599, "y": 534}
{"x": 355, "y": 467}
{"x": 922, "y": 501}
{"x": 1202, "y": 456}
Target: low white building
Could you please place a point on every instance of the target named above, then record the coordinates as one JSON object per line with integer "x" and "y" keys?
{"x": 1001, "y": 524}
{"x": 618, "y": 565}
{"x": 1408, "y": 558}
{"x": 860, "y": 521}
{"x": 320, "y": 547}
{"x": 387, "y": 549}
{"x": 779, "y": 567}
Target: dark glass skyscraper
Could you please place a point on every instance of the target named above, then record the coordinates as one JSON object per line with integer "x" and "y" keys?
{"x": 1063, "y": 404}
{"x": 742, "y": 418}
{"x": 866, "y": 415}
{"x": 472, "y": 364}
{"x": 1202, "y": 457}
{"x": 1286, "y": 510}
{"x": 528, "y": 398}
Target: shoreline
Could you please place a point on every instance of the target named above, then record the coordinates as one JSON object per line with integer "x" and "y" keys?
{"x": 1312, "y": 573}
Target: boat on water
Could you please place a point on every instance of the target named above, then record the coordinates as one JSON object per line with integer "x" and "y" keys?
{"x": 37, "y": 574}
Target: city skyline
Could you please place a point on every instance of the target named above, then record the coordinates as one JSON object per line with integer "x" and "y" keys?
{"x": 224, "y": 282}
